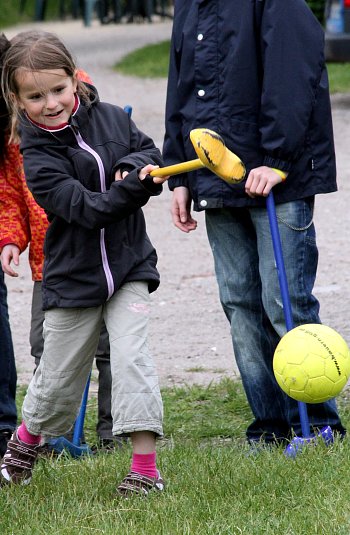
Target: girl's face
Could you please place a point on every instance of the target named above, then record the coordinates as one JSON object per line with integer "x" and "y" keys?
{"x": 47, "y": 96}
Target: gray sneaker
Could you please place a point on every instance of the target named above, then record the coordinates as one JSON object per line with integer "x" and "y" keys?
{"x": 18, "y": 462}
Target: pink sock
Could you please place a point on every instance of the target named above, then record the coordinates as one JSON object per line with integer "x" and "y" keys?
{"x": 24, "y": 435}
{"x": 144, "y": 464}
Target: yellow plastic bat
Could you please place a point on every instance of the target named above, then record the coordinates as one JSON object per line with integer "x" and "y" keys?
{"x": 213, "y": 154}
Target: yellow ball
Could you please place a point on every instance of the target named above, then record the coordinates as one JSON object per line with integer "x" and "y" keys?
{"x": 312, "y": 363}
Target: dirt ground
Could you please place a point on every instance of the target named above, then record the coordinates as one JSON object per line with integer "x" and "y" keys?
{"x": 189, "y": 335}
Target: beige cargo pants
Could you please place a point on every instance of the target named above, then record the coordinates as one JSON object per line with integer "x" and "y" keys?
{"x": 71, "y": 337}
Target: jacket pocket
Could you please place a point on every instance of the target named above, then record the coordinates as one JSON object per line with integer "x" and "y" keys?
{"x": 244, "y": 140}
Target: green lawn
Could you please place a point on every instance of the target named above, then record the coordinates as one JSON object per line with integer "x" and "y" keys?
{"x": 339, "y": 77}
{"x": 151, "y": 61}
{"x": 214, "y": 487}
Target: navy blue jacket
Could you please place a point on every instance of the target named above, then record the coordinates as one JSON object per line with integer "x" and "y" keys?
{"x": 96, "y": 240}
{"x": 253, "y": 71}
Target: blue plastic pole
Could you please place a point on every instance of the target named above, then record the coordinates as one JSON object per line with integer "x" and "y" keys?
{"x": 79, "y": 422}
{"x": 287, "y": 309}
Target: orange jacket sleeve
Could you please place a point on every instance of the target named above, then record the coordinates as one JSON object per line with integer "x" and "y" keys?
{"x": 14, "y": 214}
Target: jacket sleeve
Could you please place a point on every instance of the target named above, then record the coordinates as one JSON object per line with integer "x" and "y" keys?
{"x": 61, "y": 194}
{"x": 173, "y": 147}
{"x": 293, "y": 67}
{"x": 14, "y": 216}
{"x": 142, "y": 151}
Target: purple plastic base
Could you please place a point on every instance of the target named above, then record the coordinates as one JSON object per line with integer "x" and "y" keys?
{"x": 298, "y": 443}
{"x": 60, "y": 444}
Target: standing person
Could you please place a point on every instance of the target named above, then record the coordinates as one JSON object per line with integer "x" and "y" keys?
{"x": 87, "y": 165}
{"x": 23, "y": 222}
{"x": 8, "y": 376}
{"x": 232, "y": 71}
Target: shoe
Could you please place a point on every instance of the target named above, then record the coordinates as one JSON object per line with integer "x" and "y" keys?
{"x": 135, "y": 484}
{"x": 5, "y": 436}
{"x": 18, "y": 462}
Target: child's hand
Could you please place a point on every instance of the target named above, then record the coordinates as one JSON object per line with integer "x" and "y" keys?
{"x": 9, "y": 253}
{"x": 146, "y": 171}
{"x": 261, "y": 180}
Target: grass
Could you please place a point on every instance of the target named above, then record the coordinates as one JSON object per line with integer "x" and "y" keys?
{"x": 152, "y": 62}
{"x": 213, "y": 486}
{"x": 339, "y": 77}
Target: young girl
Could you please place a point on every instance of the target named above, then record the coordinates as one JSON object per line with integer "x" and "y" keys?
{"x": 87, "y": 165}
{"x": 23, "y": 224}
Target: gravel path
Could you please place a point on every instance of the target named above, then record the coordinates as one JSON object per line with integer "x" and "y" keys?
{"x": 190, "y": 334}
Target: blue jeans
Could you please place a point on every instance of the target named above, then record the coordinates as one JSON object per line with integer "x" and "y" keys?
{"x": 8, "y": 376}
{"x": 249, "y": 290}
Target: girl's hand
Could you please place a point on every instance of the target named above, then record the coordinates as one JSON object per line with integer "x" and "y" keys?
{"x": 146, "y": 171}
{"x": 10, "y": 253}
{"x": 261, "y": 180}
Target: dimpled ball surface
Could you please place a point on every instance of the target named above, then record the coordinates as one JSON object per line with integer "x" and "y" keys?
{"x": 312, "y": 363}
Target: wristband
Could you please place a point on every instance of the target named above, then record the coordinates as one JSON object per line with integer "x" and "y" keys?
{"x": 282, "y": 174}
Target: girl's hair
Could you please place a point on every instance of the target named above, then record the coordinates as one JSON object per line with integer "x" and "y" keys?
{"x": 4, "y": 113}
{"x": 34, "y": 51}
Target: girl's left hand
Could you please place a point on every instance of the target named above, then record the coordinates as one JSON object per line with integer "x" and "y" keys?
{"x": 261, "y": 180}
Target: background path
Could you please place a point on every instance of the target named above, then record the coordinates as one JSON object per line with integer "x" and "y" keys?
{"x": 190, "y": 334}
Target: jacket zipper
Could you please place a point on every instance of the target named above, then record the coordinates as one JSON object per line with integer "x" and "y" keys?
{"x": 106, "y": 268}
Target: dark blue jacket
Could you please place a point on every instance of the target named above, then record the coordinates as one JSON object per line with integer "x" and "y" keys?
{"x": 253, "y": 71}
{"x": 97, "y": 239}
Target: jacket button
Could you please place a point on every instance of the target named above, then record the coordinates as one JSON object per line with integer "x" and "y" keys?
{"x": 201, "y": 93}
{"x": 200, "y": 36}
{"x": 203, "y": 203}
